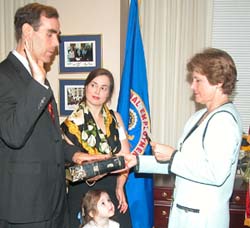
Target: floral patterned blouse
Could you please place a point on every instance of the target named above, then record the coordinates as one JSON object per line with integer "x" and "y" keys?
{"x": 81, "y": 129}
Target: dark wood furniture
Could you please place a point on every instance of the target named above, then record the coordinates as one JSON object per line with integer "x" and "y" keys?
{"x": 163, "y": 190}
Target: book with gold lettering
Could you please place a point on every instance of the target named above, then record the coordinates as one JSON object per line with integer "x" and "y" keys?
{"x": 92, "y": 169}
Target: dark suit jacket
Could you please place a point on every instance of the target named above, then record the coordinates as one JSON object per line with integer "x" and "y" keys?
{"x": 32, "y": 153}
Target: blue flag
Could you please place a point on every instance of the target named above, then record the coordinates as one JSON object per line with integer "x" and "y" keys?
{"x": 133, "y": 106}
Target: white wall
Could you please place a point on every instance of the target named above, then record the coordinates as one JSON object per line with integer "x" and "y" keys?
{"x": 90, "y": 17}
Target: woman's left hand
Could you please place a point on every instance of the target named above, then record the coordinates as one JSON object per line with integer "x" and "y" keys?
{"x": 123, "y": 205}
{"x": 162, "y": 152}
{"x": 81, "y": 157}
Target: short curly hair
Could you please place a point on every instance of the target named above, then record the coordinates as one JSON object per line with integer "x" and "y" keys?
{"x": 217, "y": 65}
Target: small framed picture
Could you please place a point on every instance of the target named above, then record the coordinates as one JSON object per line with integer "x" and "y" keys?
{"x": 79, "y": 53}
{"x": 70, "y": 93}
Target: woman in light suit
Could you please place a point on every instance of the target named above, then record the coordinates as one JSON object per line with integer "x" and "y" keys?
{"x": 206, "y": 157}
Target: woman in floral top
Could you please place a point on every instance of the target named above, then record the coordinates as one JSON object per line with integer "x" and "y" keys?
{"x": 98, "y": 130}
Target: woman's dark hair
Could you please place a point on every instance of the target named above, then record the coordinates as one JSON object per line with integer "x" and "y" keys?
{"x": 31, "y": 14}
{"x": 98, "y": 72}
{"x": 217, "y": 65}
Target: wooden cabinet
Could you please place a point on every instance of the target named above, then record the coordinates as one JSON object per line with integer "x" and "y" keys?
{"x": 238, "y": 203}
{"x": 163, "y": 190}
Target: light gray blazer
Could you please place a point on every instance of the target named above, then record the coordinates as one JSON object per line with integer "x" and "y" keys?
{"x": 205, "y": 166}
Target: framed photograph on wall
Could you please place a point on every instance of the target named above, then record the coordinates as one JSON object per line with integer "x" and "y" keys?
{"x": 79, "y": 53}
{"x": 70, "y": 93}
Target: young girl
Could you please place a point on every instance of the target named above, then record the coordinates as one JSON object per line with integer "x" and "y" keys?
{"x": 97, "y": 208}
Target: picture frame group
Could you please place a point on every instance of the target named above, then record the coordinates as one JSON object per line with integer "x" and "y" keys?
{"x": 79, "y": 53}
{"x": 71, "y": 92}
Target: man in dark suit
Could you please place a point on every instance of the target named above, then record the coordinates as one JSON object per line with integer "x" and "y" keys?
{"x": 32, "y": 152}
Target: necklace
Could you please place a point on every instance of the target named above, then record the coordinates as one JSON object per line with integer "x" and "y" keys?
{"x": 208, "y": 112}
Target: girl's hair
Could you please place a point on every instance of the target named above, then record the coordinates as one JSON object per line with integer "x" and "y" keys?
{"x": 89, "y": 204}
{"x": 98, "y": 72}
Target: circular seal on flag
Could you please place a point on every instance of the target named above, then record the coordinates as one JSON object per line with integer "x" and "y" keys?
{"x": 139, "y": 124}
{"x": 132, "y": 119}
